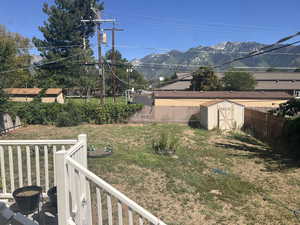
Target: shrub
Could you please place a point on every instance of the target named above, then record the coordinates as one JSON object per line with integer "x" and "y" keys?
{"x": 194, "y": 121}
{"x": 54, "y": 113}
{"x": 115, "y": 113}
{"x": 64, "y": 120}
{"x": 165, "y": 145}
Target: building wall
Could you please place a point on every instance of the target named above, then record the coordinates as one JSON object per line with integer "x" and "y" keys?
{"x": 210, "y": 115}
{"x": 204, "y": 117}
{"x": 197, "y": 102}
{"x": 58, "y": 99}
{"x": 48, "y": 99}
{"x": 20, "y": 99}
{"x": 164, "y": 114}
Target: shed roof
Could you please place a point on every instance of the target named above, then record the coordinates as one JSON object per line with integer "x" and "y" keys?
{"x": 32, "y": 91}
{"x": 210, "y": 103}
{"x": 53, "y": 91}
{"x": 221, "y": 95}
{"x": 22, "y": 91}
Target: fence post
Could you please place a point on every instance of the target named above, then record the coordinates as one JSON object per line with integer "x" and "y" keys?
{"x": 83, "y": 139}
{"x": 86, "y": 188}
{"x": 62, "y": 178}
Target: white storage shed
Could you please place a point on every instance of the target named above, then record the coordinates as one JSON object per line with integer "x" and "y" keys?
{"x": 222, "y": 114}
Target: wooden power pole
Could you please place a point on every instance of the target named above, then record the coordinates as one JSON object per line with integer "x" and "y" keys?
{"x": 99, "y": 21}
{"x": 113, "y": 58}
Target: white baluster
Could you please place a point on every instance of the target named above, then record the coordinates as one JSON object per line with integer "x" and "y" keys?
{"x": 11, "y": 169}
{"x": 37, "y": 166}
{"x": 109, "y": 210}
{"x": 120, "y": 213}
{"x": 141, "y": 221}
{"x": 130, "y": 217}
{"x": 99, "y": 206}
{"x": 28, "y": 165}
{"x": 54, "y": 165}
{"x": 3, "y": 176}
{"x": 46, "y": 167}
{"x": 20, "y": 166}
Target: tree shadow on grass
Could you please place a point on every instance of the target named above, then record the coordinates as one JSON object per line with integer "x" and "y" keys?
{"x": 274, "y": 160}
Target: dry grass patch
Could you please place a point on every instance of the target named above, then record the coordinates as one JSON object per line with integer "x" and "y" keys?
{"x": 213, "y": 178}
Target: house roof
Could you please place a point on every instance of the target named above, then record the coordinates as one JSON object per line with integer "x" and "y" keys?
{"x": 278, "y": 85}
{"x": 265, "y": 81}
{"x": 32, "y": 91}
{"x": 53, "y": 91}
{"x": 179, "y": 85}
{"x": 210, "y": 103}
{"x": 22, "y": 91}
{"x": 221, "y": 95}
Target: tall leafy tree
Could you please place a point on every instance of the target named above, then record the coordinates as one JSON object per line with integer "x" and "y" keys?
{"x": 63, "y": 41}
{"x": 238, "y": 81}
{"x": 134, "y": 78}
{"x": 204, "y": 79}
{"x": 14, "y": 56}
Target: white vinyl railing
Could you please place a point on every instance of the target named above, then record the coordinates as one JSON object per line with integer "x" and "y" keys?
{"x": 28, "y": 162}
{"x": 83, "y": 198}
{"x": 86, "y": 199}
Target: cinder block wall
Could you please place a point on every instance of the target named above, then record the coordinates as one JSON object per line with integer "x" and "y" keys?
{"x": 165, "y": 114}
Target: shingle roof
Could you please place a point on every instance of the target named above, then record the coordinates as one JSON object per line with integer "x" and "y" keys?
{"x": 22, "y": 91}
{"x": 210, "y": 103}
{"x": 179, "y": 85}
{"x": 280, "y": 85}
{"x": 32, "y": 91}
{"x": 53, "y": 91}
{"x": 221, "y": 95}
{"x": 265, "y": 81}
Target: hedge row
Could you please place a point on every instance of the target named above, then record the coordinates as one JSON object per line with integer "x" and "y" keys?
{"x": 71, "y": 114}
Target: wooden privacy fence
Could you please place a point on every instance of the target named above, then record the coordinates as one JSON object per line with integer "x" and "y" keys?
{"x": 264, "y": 126}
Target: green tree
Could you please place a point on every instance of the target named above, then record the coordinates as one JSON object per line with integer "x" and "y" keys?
{"x": 238, "y": 81}
{"x": 63, "y": 39}
{"x": 204, "y": 79}
{"x": 14, "y": 57}
{"x": 134, "y": 78}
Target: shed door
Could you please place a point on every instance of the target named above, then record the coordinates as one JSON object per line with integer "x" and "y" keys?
{"x": 225, "y": 118}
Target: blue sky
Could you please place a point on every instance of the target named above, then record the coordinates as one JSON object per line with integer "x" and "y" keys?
{"x": 157, "y": 26}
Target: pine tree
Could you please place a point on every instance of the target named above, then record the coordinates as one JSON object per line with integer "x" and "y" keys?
{"x": 63, "y": 39}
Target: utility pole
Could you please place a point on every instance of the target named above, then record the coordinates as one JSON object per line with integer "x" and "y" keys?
{"x": 113, "y": 58}
{"x": 129, "y": 71}
{"x": 99, "y": 21}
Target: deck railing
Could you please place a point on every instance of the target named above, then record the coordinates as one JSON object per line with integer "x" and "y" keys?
{"x": 83, "y": 198}
{"x": 28, "y": 162}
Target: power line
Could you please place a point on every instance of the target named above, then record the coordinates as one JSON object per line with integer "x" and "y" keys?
{"x": 185, "y": 22}
{"x": 258, "y": 52}
{"x": 52, "y": 47}
{"x": 40, "y": 65}
{"x": 214, "y": 51}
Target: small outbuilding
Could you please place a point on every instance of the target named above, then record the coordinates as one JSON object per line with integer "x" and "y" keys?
{"x": 222, "y": 114}
{"x": 28, "y": 94}
{"x": 53, "y": 95}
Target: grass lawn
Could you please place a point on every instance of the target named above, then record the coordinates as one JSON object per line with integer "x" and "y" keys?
{"x": 211, "y": 179}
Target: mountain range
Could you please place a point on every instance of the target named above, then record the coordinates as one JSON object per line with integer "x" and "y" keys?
{"x": 165, "y": 64}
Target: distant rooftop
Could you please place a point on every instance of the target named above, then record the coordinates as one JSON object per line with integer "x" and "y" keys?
{"x": 32, "y": 91}
{"x": 221, "y": 95}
